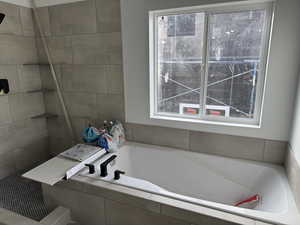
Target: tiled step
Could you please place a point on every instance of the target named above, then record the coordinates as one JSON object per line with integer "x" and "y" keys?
{"x": 60, "y": 216}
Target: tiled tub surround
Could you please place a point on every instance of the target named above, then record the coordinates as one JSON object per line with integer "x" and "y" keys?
{"x": 219, "y": 144}
{"x": 110, "y": 204}
{"x": 23, "y": 142}
{"x": 86, "y": 46}
{"x": 211, "y": 181}
{"x": 293, "y": 173}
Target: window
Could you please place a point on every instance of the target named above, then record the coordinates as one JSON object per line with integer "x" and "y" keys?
{"x": 209, "y": 63}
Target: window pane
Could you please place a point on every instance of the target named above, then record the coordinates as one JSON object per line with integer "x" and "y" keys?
{"x": 180, "y": 43}
{"x": 235, "y": 43}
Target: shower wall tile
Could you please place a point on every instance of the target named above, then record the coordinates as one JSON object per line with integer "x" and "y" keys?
{"x": 31, "y": 155}
{"x": 12, "y": 22}
{"x": 138, "y": 202}
{"x": 30, "y": 78}
{"x": 52, "y": 103}
{"x": 26, "y": 16}
{"x": 60, "y": 50}
{"x": 10, "y": 72}
{"x": 46, "y": 76}
{"x": 28, "y": 131}
{"x": 115, "y": 77}
{"x": 81, "y": 104}
{"x": 226, "y": 145}
{"x": 104, "y": 49}
{"x": 7, "y": 165}
{"x": 84, "y": 78}
{"x": 108, "y": 15}
{"x": 5, "y": 116}
{"x": 74, "y": 18}
{"x": 18, "y": 133}
{"x": 18, "y": 50}
{"x": 44, "y": 17}
{"x": 110, "y": 107}
{"x": 24, "y": 106}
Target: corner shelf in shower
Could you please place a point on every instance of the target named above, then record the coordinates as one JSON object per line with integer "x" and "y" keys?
{"x": 41, "y": 90}
{"x": 36, "y": 64}
{"x": 45, "y": 115}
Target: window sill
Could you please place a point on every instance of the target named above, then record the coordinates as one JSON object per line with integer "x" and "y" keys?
{"x": 206, "y": 122}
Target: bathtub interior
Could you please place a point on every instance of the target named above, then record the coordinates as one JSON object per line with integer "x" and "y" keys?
{"x": 204, "y": 177}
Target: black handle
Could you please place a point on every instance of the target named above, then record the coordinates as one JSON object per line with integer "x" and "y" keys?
{"x": 118, "y": 173}
{"x": 91, "y": 168}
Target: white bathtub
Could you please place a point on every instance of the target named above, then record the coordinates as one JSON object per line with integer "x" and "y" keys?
{"x": 206, "y": 180}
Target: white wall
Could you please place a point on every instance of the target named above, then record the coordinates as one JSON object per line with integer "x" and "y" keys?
{"x": 282, "y": 73}
{"x": 295, "y": 132}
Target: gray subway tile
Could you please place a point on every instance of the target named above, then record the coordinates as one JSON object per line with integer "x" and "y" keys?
{"x": 163, "y": 136}
{"x": 275, "y": 151}
{"x": 108, "y": 15}
{"x": 11, "y": 24}
{"x": 7, "y": 164}
{"x": 81, "y": 104}
{"x": 191, "y": 217}
{"x": 30, "y": 78}
{"x": 10, "y": 72}
{"x": 74, "y": 18}
{"x": 58, "y": 145}
{"x": 122, "y": 214}
{"x": 85, "y": 209}
{"x": 32, "y": 154}
{"x": 44, "y": 18}
{"x": 142, "y": 201}
{"x": 29, "y": 130}
{"x": 97, "y": 49}
{"x": 18, "y": 50}
{"x": 5, "y": 116}
{"x": 60, "y": 50}
{"x": 47, "y": 78}
{"x": 114, "y": 79}
{"x": 26, "y": 16}
{"x": 227, "y": 145}
{"x": 52, "y": 103}
{"x": 292, "y": 167}
{"x": 84, "y": 78}
{"x": 24, "y": 106}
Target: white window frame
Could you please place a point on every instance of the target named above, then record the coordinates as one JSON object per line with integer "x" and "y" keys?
{"x": 267, "y": 5}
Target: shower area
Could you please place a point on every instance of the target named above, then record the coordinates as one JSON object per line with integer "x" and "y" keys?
{"x": 28, "y": 80}
{"x": 44, "y": 101}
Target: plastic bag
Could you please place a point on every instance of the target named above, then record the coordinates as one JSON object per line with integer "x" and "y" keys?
{"x": 91, "y": 134}
{"x": 118, "y": 134}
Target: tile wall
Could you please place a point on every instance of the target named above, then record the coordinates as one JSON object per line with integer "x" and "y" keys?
{"x": 86, "y": 46}
{"x": 23, "y": 141}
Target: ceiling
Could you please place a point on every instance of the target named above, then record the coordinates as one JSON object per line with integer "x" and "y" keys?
{"x": 39, "y": 3}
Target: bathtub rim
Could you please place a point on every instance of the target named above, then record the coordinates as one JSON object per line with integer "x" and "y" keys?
{"x": 236, "y": 215}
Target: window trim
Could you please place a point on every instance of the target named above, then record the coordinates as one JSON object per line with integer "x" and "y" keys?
{"x": 267, "y": 5}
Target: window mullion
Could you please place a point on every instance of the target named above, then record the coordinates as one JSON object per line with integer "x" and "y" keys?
{"x": 204, "y": 66}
